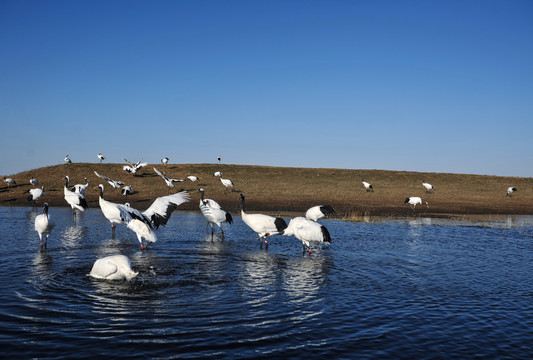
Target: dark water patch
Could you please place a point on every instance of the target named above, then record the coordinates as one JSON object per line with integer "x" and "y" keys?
{"x": 402, "y": 289}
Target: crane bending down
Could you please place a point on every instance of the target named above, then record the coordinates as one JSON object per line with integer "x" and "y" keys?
{"x": 306, "y": 231}
{"x": 263, "y": 225}
{"x": 368, "y": 186}
{"x": 428, "y": 186}
{"x": 415, "y": 200}
{"x": 114, "y": 267}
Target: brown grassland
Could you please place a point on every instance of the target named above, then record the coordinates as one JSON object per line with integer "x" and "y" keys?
{"x": 283, "y": 190}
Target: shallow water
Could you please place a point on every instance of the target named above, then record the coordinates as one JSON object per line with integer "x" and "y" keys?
{"x": 392, "y": 289}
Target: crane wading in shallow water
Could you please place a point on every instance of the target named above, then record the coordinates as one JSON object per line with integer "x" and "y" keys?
{"x": 214, "y": 214}
{"x": 263, "y": 225}
{"x": 307, "y": 231}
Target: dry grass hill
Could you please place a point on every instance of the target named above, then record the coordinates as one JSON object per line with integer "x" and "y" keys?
{"x": 282, "y": 190}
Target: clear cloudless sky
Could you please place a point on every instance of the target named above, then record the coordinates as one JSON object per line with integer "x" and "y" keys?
{"x": 438, "y": 86}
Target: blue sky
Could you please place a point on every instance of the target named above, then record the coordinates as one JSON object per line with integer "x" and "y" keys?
{"x": 438, "y": 86}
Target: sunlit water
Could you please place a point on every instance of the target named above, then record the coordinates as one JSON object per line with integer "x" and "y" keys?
{"x": 396, "y": 289}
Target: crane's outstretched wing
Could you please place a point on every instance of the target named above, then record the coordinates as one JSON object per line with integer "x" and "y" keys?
{"x": 161, "y": 209}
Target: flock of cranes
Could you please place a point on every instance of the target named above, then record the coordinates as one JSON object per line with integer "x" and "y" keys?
{"x": 145, "y": 224}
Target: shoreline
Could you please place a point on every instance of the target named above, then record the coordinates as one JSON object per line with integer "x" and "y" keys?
{"x": 277, "y": 190}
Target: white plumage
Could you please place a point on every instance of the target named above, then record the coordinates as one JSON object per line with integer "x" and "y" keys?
{"x": 168, "y": 181}
{"x": 75, "y": 200}
{"x": 367, "y": 185}
{"x": 143, "y": 223}
{"x": 67, "y": 160}
{"x": 217, "y": 173}
{"x": 227, "y": 183}
{"x": 80, "y": 188}
{"x": 428, "y": 186}
{"x": 115, "y": 213}
{"x": 101, "y": 157}
{"x": 510, "y": 191}
{"x": 415, "y": 200}
{"x": 164, "y": 161}
{"x": 115, "y": 267}
{"x": 263, "y": 225}
{"x": 44, "y": 225}
{"x": 214, "y": 213}
{"x": 9, "y": 181}
{"x": 113, "y": 183}
{"x": 319, "y": 211}
{"x": 306, "y": 231}
{"x": 33, "y": 181}
{"x": 133, "y": 168}
{"x": 35, "y": 194}
{"x": 193, "y": 178}
{"x": 127, "y": 190}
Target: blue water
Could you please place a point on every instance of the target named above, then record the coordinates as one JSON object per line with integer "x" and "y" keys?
{"x": 402, "y": 289}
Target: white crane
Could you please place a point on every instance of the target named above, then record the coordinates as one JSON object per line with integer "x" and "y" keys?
{"x": 44, "y": 225}
{"x": 80, "y": 188}
{"x": 367, "y": 185}
{"x": 33, "y": 182}
{"x": 164, "y": 160}
{"x": 427, "y": 185}
{"x": 115, "y": 213}
{"x": 192, "y": 178}
{"x": 319, "y": 211}
{"x": 101, "y": 157}
{"x": 9, "y": 181}
{"x": 67, "y": 160}
{"x": 113, "y": 183}
{"x": 168, "y": 181}
{"x": 76, "y": 201}
{"x": 217, "y": 173}
{"x": 306, "y": 231}
{"x": 127, "y": 190}
{"x": 133, "y": 168}
{"x": 214, "y": 213}
{"x": 142, "y": 223}
{"x": 114, "y": 267}
{"x": 263, "y": 225}
{"x": 227, "y": 183}
{"x": 219, "y": 159}
{"x": 415, "y": 200}
{"x": 510, "y": 191}
{"x": 35, "y": 194}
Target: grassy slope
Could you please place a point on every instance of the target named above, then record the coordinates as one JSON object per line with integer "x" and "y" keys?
{"x": 280, "y": 190}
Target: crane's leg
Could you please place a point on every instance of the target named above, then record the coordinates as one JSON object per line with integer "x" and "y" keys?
{"x": 113, "y": 226}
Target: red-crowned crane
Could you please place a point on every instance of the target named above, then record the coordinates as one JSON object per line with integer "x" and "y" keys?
{"x": 44, "y": 225}
{"x": 114, "y": 267}
{"x": 263, "y": 225}
{"x": 306, "y": 231}
{"x": 415, "y": 200}
{"x": 367, "y": 185}
{"x": 214, "y": 214}
{"x": 428, "y": 186}
{"x": 317, "y": 212}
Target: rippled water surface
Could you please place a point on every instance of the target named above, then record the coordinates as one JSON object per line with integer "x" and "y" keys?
{"x": 396, "y": 289}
